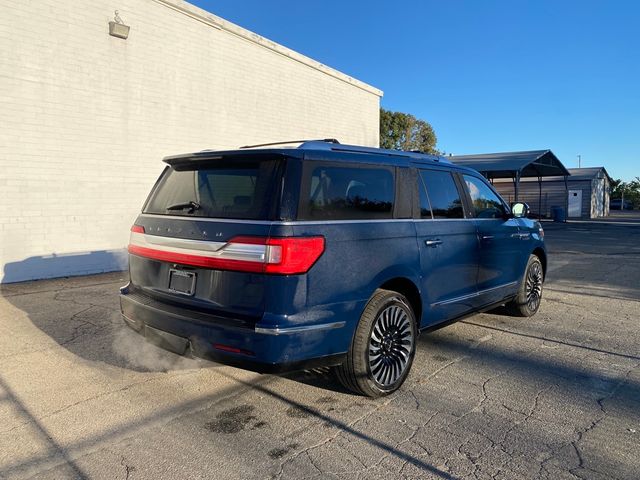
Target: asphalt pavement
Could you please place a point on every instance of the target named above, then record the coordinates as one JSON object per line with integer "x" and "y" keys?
{"x": 492, "y": 397}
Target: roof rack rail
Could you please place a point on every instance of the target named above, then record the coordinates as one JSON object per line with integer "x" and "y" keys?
{"x": 327, "y": 140}
{"x": 416, "y": 155}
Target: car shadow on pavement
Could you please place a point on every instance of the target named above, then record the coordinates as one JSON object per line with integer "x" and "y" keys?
{"x": 323, "y": 378}
{"x": 82, "y": 314}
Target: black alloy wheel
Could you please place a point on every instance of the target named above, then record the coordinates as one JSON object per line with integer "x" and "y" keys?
{"x": 383, "y": 346}
{"x": 527, "y": 301}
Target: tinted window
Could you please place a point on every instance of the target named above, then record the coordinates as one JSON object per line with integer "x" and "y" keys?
{"x": 341, "y": 193}
{"x": 443, "y": 194}
{"x": 486, "y": 204}
{"x": 224, "y": 189}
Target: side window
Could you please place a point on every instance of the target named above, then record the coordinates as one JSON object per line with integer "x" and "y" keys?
{"x": 485, "y": 202}
{"x": 443, "y": 194}
{"x": 343, "y": 193}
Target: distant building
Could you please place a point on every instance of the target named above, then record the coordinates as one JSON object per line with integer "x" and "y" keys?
{"x": 586, "y": 194}
{"x": 516, "y": 173}
{"x": 539, "y": 178}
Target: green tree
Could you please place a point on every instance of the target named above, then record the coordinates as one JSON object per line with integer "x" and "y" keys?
{"x": 630, "y": 191}
{"x": 402, "y": 131}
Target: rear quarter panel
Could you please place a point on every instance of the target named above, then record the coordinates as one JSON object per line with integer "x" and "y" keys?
{"x": 358, "y": 258}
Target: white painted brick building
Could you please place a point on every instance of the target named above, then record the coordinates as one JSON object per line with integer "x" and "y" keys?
{"x": 87, "y": 117}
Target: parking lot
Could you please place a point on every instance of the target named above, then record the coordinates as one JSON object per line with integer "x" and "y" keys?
{"x": 555, "y": 396}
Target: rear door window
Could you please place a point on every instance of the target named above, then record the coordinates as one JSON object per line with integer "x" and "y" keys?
{"x": 241, "y": 189}
{"x": 443, "y": 194}
{"x": 348, "y": 193}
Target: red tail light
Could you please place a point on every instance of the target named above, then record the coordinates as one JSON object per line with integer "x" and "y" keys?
{"x": 279, "y": 256}
{"x": 293, "y": 255}
{"x": 284, "y": 256}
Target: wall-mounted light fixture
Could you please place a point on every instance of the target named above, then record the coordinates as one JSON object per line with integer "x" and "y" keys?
{"x": 117, "y": 28}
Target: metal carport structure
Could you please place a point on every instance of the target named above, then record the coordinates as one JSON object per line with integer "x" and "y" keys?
{"x": 516, "y": 165}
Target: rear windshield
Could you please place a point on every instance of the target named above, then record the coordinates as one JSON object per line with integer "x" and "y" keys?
{"x": 241, "y": 189}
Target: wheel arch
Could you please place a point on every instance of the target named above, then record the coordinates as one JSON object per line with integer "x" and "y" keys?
{"x": 409, "y": 289}
{"x": 542, "y": 255}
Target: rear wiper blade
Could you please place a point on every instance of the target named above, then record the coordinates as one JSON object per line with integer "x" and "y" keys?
{"x": 191, "y": 205}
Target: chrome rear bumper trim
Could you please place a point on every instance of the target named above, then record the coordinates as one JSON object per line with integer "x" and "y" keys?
{"x": 290, "y": 330}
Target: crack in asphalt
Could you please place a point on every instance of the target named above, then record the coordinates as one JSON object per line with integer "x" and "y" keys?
{"x": 82, "y": 323}
{"x": 409, "y": 391}
{"x": 485, "y": 396}
{"x": 57, "y": 298}
{"x": 472, "y": 459}
{"x": 581, "y": 434}
{"x": 493, "y": 444}
{"x": 575, "y": 444}
{"x": 78, "y": 330}
{"x": 339, "y": 431}
{"x": 313, "y": 463}
{"x": 500, "y": 444}
{"x": 127, "y": 468}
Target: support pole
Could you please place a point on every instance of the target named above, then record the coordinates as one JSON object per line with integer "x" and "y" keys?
{"x": 517, "y": 185}
{"x": 566, "y": 199}
{"x": 539, "y": 197}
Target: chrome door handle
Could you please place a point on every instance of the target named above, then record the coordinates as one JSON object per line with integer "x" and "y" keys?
{"x": 487, "y": 237}
{"x": 433, "y": 243}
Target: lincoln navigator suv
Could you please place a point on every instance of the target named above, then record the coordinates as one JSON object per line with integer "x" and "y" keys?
{"x": 275, "y": 259}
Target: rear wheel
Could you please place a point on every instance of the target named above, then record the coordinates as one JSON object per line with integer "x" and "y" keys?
{"x": 527, "y": 302}
{"x": 383, "y": 346}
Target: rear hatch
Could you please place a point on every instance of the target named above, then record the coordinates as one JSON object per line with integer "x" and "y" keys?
{"x": 201, "y": 240}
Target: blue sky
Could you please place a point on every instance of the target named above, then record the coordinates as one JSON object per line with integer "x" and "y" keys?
{"x": 488, "y": 75}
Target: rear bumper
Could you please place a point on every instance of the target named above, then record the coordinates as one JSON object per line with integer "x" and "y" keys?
{"x": 260, "y": 349}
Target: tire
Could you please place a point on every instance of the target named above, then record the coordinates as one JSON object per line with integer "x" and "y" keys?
{"x": 383, "y": 346}
{"x": 527, "y": 302}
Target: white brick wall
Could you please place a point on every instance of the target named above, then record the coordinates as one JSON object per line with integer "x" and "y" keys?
{"x": 86, "y": 117}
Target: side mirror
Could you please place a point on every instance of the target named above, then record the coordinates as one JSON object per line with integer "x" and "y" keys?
{"x": 520, "y": 210}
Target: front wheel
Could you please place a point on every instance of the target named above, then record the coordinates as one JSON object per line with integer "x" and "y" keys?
{"x": 527, "y": 302}
{"x": 383, "y": 346}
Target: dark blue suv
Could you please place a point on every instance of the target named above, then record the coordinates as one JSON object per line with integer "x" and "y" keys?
{"x": 276, "y": 259}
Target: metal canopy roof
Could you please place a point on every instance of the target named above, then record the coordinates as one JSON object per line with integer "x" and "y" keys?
{"x": 534, "y": 163}
{"x": 577, "y": 175}
{"x": 589, "y": 173}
